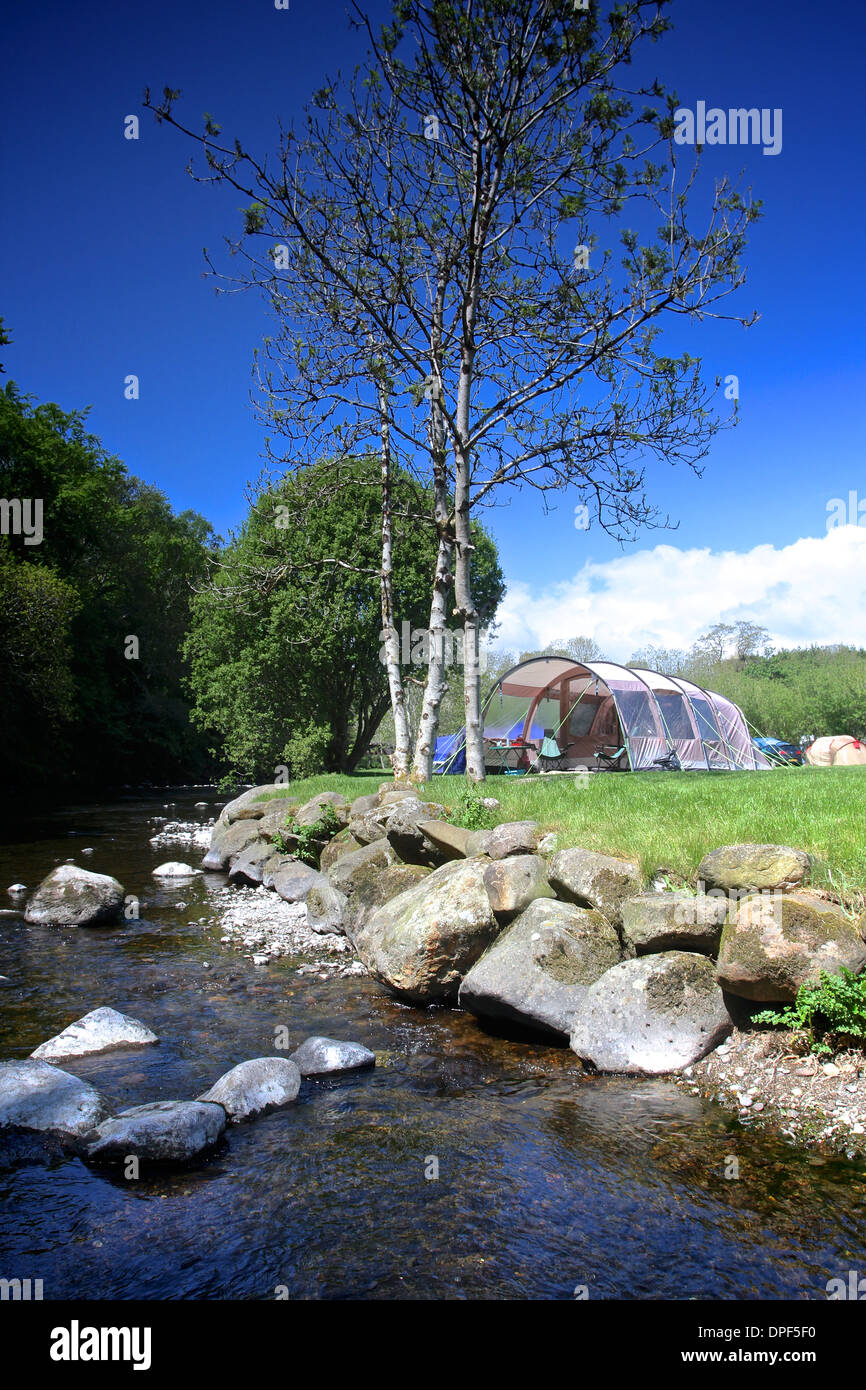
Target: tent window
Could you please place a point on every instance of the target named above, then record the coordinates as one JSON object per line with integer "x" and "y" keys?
{"x": 704, "y": 715}
{"x": 581, "y": 718}
{"x": 637, "y": 715}
{"x": 676, "y": 716}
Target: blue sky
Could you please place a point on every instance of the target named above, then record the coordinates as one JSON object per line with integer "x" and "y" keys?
{"x": 101, "y": 248}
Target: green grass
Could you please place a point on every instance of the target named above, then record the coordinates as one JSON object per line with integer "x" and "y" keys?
{"x": 669, "y": 820}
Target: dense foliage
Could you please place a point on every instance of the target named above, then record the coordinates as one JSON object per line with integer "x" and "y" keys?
{"x": 81, "y": 703}
{"x": 285, "y": 643}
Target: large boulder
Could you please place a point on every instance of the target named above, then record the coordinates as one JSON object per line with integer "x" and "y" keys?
{"x": 422, "y": 943}
{"x": 450, "y": 841}
{"x": 265, "y": 1083}
{"x": 512, "y": 837}
{"x": 651, "y": 1015}
{"x": 673, "y": 922}
{"x": 255, "y": 802}
{"x": 369, "y": 826}
{"x": 320, "y": 1056}
{"x": 752, "y": 868}
{"x": 362, "y": 804}
{"x": 275, "y": 821}
{"x": 594, "y": 880}
{"x": 99, "y": 1031}
{"x": 538, "y": 970}
{"x": 35, "y": 1095}
{"x": 249, "y": 865}
{"x": 343, "y": 843}
{"x": 513, "y": 883}
{"x": 776, "y": 942}
{"x": 327, "y": 908}
{"x": 227, "y": 841}
{"x": 326, "y": 803}
{"x": 294, "y": 882}
{"x": 403, "y": 829}
{"x": 273, "y": 864}
{"x": 174, "y": 869}
{"x": 75, "y": 897}
{"x": 366, "y": 880}
{"x": 165, "y": 1131}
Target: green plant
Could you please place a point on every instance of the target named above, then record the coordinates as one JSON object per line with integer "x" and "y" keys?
{"x": 827, "y": 1013}
{"x": 305, "y": 841}
{"x": 227, "y": 785}
{"x": 470, "y": 812}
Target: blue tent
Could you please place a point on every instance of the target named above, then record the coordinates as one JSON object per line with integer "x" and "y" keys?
{"x": 449, "y": 753}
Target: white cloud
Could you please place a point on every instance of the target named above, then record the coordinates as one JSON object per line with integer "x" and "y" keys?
{"x": 813, "y": 590}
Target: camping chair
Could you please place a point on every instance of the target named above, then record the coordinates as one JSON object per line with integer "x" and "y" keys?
{"x": 550, "y": 755}
{"x": 608, "y": 758}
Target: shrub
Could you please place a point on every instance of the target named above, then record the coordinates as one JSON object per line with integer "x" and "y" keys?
{"x": 308, "y": 837}
{"x": 829, "y": 1014}
{"x": 470, "y": 812}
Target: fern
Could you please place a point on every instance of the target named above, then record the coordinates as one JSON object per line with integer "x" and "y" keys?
{"x": 827, "y": 1013}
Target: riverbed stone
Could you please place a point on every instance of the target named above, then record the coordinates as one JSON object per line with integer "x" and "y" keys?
{"x": 594, "y": 880}
{"x": 294, "y": 882}
{"x": 513, "y": 883}
{"x": 367, "y": 879}
{"x": 422, "y": 943}
{"x": 673, "y": 922}
{"x": 327, "y": 908}
{"x": 70, "y": 896}
{"x": 342, "y": 844}
{"x": 164, "y": 1131}
{"x": 651, "y": 1015}
{"x": 249, "y": 865}
{"x": 404, "y": 832}
{"x": 36, "y": 1095}
{"x": 268, "y": 811}
{"x": 264, "y": 1083}
{"x": 173, "y": 868}
{"x": 451, "y": 841}
{"x": 321, "y": 1056}
{"x": 227, "y": 841}
{"x": 512, "y": 837}
{"x": 273, "y": 864}
{"x": 252, "y": 799}
{"x": 539, "y": 969}
{"x": 773, "y": 943}
{"x": 99, "y": 1031}
{"x": 754, "y": 867}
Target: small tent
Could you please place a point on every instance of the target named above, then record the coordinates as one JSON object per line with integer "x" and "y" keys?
{"x": 605, "y": 715}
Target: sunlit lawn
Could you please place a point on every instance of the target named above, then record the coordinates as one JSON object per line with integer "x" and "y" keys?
{"x": 669, "y": 820}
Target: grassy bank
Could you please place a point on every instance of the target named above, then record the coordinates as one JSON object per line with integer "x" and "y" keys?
{"x": 670, "y": 820}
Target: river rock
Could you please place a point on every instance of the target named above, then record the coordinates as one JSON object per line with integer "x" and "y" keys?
{"x": 294, "y": 882}
{"x": 538, "y": 970}
{"x": 75, "y": 897}
{"x": 251, "y": 799}
{"x": 776, "y": 942}
{"x": 651, "y": 1015}
{"x": 369, "y": 878}
{"x": 594, "y": 880}
{"x": 165, "y": 1131}
{"x": 512, "y": 837}
{"x": 174, "y": 869}
{"x": 451, "y": 841}
{"x": 754, "y": 867}
{"x": 276, "y": 808}
{"x": 327, "y": 908}
{"x": 249, "y": 865}
{"x": 362, "y": 804}
{"x": 227, "y": 841}
{"x": 343, "y": 843}
{"x": 422, "y": 943}
{"x": 312, "y": 811}
{"x": 403, "y": 829}
{"x": 369, "y": 827}
{"x": 513, "y": 883}
{"x": 273, "y": 864}
{"x": 673, "y": 922}
{"x": 320, "y": 1056}
{"x": 276, "y": 822}
{"x": 35, "y": 1095}
{"x": 99, "y": 1031}
{"x": 265, "y": 1083}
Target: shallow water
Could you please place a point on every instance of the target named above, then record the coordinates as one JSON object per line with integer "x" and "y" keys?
{"x": 547, "y": 1179}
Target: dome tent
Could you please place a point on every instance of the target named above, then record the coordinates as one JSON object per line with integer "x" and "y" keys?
{"x": 634, "y": 716}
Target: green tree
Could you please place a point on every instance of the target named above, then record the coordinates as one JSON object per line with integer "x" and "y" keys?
{"x": 286, "y": 645}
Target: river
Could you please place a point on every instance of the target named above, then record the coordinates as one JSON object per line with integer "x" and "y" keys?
{"x": 551, "y": 1184}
